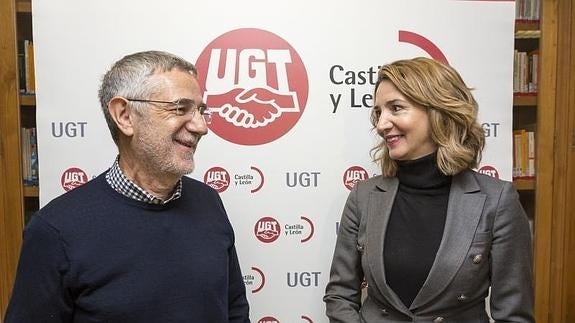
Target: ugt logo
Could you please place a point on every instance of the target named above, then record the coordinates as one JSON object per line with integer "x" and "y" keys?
{"x": 267, "y": 229}
{"x": 353, "y": 175}
{"x": 256, "y": 86}
{"x": 72, "y": 178}
{"x": 217, "y": 178}
{"x": 489, "y": 170}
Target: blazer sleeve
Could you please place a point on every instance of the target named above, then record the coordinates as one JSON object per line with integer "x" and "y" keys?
{"x": 511, "y": 261}
{"x": 343, "y": 291}
{"x": 39, "y": 294}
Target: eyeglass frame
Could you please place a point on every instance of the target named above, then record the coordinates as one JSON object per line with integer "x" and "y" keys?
{"x": 201, "y": 108}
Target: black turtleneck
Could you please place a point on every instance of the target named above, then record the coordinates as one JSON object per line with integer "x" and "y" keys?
{"x": 416, "y": 225}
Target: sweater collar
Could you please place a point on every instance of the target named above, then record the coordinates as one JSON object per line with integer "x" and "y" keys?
{"x": 123, "y": 185}
{"x": 422, "y": 173}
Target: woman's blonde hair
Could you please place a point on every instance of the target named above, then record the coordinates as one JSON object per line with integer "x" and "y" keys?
{"x": 451, "y": 108}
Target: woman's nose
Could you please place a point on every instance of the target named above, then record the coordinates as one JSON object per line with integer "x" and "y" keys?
{"x": 384, "y": 123}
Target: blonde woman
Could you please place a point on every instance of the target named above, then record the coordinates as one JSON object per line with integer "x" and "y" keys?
{"x": 430, "y": 236}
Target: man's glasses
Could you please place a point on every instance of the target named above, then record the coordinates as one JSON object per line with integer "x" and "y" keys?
{"x": 182, "y": 107}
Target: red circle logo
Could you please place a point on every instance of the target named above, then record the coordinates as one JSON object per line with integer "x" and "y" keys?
{"x": 267, "y": 229}
{"x": 268, "y": 319}
{"x": 489, "y": 170}
{"x": 72, "y": 178}
{"x": 353, "y": 175}
{"x": 256, "y": 86}
{"x": 217, "y": 178}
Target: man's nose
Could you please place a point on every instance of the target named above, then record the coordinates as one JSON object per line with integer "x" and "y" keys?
{"x": 197, "y": 124}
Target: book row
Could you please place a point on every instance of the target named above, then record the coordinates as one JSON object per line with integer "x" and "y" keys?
{"x": 523, "y": 154}
{"x": 27, "y": 76}
{"x": 525, "y": 66}
{"x": 29, "y": 157}
{"x": 527, "y": 9}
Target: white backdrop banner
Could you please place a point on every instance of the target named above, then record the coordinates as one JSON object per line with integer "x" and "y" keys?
{"x": 284, "y": 174}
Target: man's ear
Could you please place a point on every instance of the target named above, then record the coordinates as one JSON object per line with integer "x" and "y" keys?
{"x": 120, "y": 113}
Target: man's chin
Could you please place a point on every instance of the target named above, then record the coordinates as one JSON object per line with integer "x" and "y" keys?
{"x": 180, "y": 170}
{"x": 188, "y": 169}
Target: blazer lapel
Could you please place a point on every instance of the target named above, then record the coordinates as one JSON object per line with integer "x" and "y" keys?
{"x": 379, "y": 209}
{"x": 463, "y": 212}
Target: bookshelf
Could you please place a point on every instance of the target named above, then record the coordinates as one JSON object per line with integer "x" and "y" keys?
{"x": 525, "y": 96}
{"x": 27, "y": 103}
{"x": 24, "y": 6}
{"x": 524, "y": 184}
{"x": 526, "y": 66}
{"x": 525, "y": 100}
{"x": 525, "y": 118}
{"x": 18, "y": 110}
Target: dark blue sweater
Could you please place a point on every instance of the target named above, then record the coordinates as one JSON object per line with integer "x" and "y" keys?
{"x": 94, "y": 255}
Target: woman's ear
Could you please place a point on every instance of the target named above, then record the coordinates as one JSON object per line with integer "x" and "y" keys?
{"x": 120, "y": 113}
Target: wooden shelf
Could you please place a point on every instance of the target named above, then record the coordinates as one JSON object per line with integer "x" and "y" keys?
{"x": 525, "y": 100}
{"x": 28, "y": 100}
{"x": 526, "y": 25}
{"x": 31, "y": 191}
{"x": 524, "y": 184}
{"x": 24, "y": 6}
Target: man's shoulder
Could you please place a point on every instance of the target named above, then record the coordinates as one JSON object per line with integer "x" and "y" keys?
{"x": 196, "y": 185}
{"x": 78, "y": 201}
{"x": 82, "y": 191}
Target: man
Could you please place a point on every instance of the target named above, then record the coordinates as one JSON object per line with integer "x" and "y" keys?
{"x": 141, "y": 242}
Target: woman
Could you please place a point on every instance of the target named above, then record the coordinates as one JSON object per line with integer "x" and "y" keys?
{"x": 430, "y": 236}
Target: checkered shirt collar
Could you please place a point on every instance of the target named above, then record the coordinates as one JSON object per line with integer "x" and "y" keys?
{"x": 123, "y": 185}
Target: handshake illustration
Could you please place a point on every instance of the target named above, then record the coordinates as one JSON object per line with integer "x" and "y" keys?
{"x": 251, "y": 108}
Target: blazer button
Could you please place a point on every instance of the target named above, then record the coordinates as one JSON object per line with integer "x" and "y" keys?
{"x": 477, "y": 259}
{"x": 384, "y": 311}
{"x": 438, "y": 319}
{"x": 462, "y": 298}
{"x": 359, "y": 248}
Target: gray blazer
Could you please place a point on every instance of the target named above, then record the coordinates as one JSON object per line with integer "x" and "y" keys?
{"x": 486, "y": 243}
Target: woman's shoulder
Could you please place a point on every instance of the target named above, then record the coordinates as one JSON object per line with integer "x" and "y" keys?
{"x": 376, "y": 182}
{"x": 486, "y": 182}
